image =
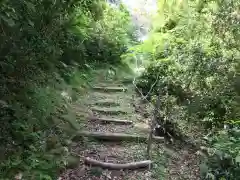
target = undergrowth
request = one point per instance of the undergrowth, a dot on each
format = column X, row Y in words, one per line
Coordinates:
column 49, row 53
column 193, row 62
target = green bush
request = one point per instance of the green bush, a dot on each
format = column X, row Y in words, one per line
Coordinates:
column 194, row 54
column 44, row 45
column 224, row 159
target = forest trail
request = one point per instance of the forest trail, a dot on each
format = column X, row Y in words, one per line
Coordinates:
column 117, row 127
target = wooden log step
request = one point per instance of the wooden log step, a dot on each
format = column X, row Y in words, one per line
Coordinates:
column 106, row 102
column 127, row 81
column 112, row 96
column 110, row 89
column 108, row 121
column 115, row 137
column 108, row 111
column 112, row 166
column 110, row 83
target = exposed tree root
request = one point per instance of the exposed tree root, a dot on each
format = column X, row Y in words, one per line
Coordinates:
column 107, row 121
column 105, row 165
column 115, row 137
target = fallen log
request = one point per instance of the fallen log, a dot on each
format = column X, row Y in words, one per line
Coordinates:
column 107, row 121
column 115, row 137
column 105, row 165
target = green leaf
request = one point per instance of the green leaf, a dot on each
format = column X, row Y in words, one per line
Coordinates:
column 203, row 168
column 45, row 177
column 30, row 6
column 8, row 20
column 30, row 23
column 237, row 159
column 210, row 176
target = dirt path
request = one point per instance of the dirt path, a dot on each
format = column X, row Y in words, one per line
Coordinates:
column 113, row 100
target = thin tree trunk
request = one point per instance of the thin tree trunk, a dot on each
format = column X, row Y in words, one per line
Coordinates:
column 153, row 124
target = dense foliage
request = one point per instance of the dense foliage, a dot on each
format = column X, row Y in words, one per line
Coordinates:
column 194, row 53
column 46, row 46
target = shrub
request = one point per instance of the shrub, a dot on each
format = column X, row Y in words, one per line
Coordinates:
column 194, row 54
column 44, row 45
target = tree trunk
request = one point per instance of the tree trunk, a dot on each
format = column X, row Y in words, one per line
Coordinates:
column 153, row 124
